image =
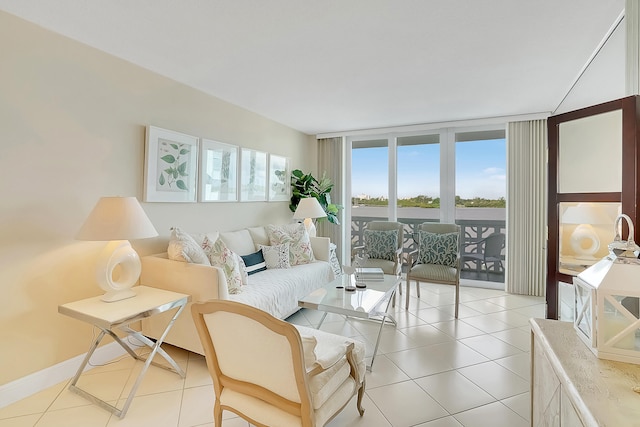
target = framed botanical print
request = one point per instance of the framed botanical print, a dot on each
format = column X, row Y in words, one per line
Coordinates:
column 253, row 175
column 279, row 181
column 171, row 165
column 218, row 177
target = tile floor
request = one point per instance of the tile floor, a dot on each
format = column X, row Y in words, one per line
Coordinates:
column 430, row 371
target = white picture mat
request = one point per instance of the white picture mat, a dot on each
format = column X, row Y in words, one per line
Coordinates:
column 279, row 178
column 253, row 175
column 171, row 165
column 218, row 177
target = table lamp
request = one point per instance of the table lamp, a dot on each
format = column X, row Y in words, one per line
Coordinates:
column 584, row 239
column 117, row 220
column 309, row 208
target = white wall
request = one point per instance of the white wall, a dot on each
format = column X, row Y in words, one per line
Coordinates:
column 72, row 125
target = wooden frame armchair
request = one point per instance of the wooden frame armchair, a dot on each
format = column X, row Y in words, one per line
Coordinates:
column 392, row 264
column 265, row 371
column 442, row 269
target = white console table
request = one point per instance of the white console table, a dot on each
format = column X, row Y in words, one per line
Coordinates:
column 570, row 386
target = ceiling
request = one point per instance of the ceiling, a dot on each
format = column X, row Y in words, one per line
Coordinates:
column 324, row 66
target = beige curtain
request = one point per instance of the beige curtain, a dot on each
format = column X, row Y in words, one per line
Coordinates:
column 330, row 161
column 526, row 207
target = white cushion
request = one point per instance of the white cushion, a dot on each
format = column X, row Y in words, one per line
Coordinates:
column 259, row 236
column 183, row 247
column 239, row 241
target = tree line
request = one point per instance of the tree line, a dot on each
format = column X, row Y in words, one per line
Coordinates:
column 431, row 202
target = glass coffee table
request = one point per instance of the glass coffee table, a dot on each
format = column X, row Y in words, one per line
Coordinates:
column 369, row 303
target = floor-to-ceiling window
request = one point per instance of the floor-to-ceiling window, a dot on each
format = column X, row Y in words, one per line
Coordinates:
column 480, row 192
column 444, row 175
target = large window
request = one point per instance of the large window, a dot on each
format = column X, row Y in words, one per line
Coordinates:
column 445, row 175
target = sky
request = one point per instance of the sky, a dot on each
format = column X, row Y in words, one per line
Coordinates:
column 480, row 170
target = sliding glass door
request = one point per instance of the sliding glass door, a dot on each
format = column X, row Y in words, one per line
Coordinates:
column 444, row 175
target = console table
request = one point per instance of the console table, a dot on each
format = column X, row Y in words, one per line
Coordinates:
column 570, row 386
column 109, row 316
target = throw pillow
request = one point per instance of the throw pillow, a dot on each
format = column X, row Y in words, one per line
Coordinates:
column 243, row 269
column 276, row 256
column 183, row 247
column 297, row 237
column 254, row 263
column 437, row 248
column 381, row 244
column 221, row 256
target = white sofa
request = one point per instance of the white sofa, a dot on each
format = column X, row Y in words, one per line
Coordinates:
column 275, row 291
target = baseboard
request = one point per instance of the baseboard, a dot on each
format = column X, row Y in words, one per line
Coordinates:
column 41, row 380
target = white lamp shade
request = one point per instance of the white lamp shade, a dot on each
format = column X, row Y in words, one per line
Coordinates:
column 585, row 213
column 309, row 208
column 117, row 218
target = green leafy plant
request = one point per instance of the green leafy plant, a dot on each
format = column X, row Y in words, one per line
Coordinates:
column 177, row 168
column 305, row 185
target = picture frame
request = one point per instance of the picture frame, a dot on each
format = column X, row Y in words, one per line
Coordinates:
column 218, row 173
column 279, row 178
column 171, row 166
column 253, row 176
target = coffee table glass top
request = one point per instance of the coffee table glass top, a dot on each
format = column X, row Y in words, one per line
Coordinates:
column 359, row 303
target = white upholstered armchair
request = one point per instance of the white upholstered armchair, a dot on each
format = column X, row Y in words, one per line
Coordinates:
column 272, row 373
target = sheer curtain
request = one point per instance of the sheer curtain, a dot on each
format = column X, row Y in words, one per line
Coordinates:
column 526, row 207
column 330, row 155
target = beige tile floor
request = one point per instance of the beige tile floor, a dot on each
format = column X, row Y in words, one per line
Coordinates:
column 430, row 371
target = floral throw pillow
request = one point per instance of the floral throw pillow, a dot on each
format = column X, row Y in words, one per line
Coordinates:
column 381, row 244
column 297, row 237
column 438, row 248
column 221, row 256
column 183, row 247
column 276, row 256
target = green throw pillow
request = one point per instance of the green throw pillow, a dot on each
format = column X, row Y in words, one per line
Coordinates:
column 381, row 244
column 436, row 248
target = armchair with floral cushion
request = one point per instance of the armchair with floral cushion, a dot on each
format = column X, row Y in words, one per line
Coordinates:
column 437, row 259
column 383, row 246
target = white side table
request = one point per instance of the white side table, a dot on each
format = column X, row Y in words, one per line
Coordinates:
column 108, row 316
column 333, row 260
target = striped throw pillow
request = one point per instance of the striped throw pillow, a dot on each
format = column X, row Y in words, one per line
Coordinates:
column 254, row 262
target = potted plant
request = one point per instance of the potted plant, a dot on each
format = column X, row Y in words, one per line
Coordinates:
column 305, row 185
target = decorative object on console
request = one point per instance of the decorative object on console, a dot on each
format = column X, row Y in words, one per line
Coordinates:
column 305, row 185
column 308, row 209
column 584, row 239
column 117, row 220
column 171, row 162
column 606, row 307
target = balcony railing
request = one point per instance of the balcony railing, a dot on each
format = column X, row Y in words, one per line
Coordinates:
column 472, row 231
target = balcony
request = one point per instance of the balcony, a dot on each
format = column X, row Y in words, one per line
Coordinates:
column 472, row 231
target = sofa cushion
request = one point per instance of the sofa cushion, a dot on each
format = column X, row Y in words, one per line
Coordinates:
column 277, row 291
column 259, row 236
column 221, row 256
column 239, row 241
column 183, row 247
column 254, row 263
column 276, row 256
column 297, row 237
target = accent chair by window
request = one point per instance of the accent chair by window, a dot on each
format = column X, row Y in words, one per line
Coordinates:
column 437, row 259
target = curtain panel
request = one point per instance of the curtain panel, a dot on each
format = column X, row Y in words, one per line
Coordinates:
column 526, row 253
column 330, row 158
